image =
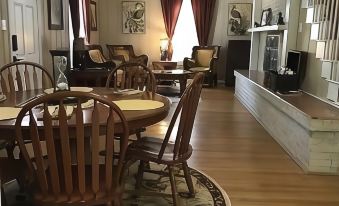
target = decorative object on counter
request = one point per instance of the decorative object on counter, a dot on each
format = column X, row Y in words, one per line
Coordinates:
column 280, row 19
column 266, row 17
column 271, row 55
column 55, row 15
column 239, row 18
column 164, row 49
column 133, row 17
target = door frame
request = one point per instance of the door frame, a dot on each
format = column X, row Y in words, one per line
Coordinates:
column 39, row 9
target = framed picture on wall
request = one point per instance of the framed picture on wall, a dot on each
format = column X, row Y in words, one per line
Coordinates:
column 133, row 17
column 55, row 15
column 94, row 22
column 239, row 18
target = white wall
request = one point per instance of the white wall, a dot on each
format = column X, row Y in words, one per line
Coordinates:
column 218, row 35
column 148, row 43
column 313, row 83
column 110, row 27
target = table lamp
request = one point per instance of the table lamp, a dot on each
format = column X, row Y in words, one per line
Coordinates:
column 163, row 49
column 79, row 48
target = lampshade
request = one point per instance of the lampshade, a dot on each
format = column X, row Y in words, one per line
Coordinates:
column 79, row 44
column 164, row 44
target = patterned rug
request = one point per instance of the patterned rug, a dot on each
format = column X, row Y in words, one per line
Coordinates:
column 156, row 189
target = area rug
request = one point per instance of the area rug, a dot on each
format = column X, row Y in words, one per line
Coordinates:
column 156, row 189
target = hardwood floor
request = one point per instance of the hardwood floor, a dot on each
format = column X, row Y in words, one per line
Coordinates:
column 234, row 149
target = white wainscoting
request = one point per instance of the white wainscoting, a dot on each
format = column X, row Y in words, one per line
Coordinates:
column 312, row 142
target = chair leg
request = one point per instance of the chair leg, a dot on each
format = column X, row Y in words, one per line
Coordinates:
column 140, row 174
column 173, row 186
column 138, row 134
column 188, row 179
column 10, row 149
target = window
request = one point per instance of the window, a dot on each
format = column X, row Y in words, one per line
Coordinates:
column 185, row 34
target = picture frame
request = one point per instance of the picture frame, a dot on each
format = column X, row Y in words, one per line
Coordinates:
column 94, row 18
column 266, row 17
column 55, row 15
column 239, row 18
column 133, row 17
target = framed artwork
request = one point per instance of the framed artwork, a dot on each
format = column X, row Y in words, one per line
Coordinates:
column 266, row 17
column 239, row 18
column 55, row 15
column 94, row 19
column 133, row 17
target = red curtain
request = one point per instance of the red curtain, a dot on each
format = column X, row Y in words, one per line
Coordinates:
column 74, row 9
column 203, row 11
column 170, row 11
column 87, row 19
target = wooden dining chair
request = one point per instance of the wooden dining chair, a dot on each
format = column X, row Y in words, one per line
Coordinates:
column 132, row 75
column 64, row 176
column 151, row 149
column 23, row 75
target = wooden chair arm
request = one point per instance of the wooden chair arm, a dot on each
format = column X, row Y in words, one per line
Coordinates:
column 188, row 63
column 213, row 64
column 109, row 64
column 141, row 58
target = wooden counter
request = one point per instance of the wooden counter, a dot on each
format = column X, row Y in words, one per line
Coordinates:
column 306, row 127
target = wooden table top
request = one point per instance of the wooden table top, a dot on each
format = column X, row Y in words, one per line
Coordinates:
column 135, row 119
column 309, row 105
column 173, row 71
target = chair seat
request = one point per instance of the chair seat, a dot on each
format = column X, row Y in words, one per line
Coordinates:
column 148, row 148
column 199, row 69
column 102, row 196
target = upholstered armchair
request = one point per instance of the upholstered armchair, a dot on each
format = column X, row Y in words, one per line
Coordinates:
column 125, row 53
column 204, row 60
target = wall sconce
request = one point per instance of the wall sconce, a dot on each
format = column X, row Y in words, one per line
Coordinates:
column 163, row 49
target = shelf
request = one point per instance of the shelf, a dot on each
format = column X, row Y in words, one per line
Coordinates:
column 268, row 28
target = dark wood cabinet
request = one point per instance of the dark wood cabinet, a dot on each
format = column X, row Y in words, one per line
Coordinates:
column 238, row 58
column 89, row 77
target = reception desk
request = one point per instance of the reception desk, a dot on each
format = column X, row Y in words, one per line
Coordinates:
column 306, row 127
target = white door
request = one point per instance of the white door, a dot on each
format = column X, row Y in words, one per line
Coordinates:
column 23, row 22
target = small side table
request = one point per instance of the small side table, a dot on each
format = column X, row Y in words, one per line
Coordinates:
column 175, row 74
column 164, row 65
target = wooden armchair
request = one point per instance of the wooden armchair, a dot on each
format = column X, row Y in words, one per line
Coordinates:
column 150, row 149
column 94, row 58
column 125, row 53
column 204, row 59
column 65, row 176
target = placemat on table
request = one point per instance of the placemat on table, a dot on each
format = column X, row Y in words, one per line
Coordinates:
column 137, row 104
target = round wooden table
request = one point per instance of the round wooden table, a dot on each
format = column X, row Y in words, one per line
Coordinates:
column 136, row 118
